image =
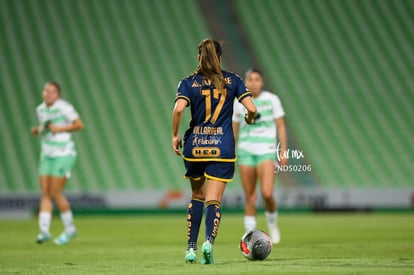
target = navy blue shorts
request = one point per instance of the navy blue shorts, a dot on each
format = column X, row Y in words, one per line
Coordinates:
column 214, row 170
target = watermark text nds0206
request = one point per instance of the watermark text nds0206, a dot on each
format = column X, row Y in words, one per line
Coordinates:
column 290, row 154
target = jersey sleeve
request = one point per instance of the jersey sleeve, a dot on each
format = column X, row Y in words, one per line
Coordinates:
column 70, row 113
column 241, row 90
column 278, row 111
column 183, row 92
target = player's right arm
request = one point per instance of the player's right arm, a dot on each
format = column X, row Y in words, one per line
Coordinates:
column 39, row 129
column 236, row 119
column 251, row 109
column 34, row 131
column 245, row 98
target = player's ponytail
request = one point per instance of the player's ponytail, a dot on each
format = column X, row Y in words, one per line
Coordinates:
column 209, row 51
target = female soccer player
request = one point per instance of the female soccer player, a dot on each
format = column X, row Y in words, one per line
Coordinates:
column 57, row 119
column 209, row 149
column 257, row 151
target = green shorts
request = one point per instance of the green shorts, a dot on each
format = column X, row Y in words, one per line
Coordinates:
column 56, row 166
column 249, row 159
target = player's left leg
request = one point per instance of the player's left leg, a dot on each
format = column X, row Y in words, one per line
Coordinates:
column 63, row 166
column 57, row 186
column 265, row 172
column 195, row 172
column 194, row 216
column 248, row 178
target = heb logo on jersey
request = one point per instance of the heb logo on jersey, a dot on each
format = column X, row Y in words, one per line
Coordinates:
column 200, row 152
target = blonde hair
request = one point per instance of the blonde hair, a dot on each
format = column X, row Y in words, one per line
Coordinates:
column 209, row 51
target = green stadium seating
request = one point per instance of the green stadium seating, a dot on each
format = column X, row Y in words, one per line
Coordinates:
column 119, row 63
column 342, row 69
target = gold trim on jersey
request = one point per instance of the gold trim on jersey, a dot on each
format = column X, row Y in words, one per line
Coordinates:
column 243, row 95
column 183, row 97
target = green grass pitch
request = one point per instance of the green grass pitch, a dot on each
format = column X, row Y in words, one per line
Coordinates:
column 155, row 244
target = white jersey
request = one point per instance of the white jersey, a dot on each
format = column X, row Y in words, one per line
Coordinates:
column 61, row 113
column 259, row 138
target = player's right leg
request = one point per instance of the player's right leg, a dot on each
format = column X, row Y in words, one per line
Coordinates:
column 218, row 174
column 46, row 206
column 248, row 178
column 214, row 195
column 45, row 211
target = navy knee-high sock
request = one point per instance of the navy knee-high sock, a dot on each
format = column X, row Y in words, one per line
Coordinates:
column 194, row 216
column 213, row 217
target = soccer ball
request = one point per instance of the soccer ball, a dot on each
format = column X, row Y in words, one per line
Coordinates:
column 255, row 245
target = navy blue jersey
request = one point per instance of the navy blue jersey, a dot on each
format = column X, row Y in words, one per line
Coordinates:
column 210, row 136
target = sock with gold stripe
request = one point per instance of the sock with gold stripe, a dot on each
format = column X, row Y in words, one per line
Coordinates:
column 194, row 216
column 213, row 217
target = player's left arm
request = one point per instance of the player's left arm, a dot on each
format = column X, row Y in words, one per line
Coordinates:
column 76, row 125
column 282, row 136
column 71, row 115
column 177, row 116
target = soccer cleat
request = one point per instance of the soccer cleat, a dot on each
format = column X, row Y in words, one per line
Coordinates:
column 190, row 256
column 64, row 238
column 207, row 250
column 43, row 237
column 274, row 234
